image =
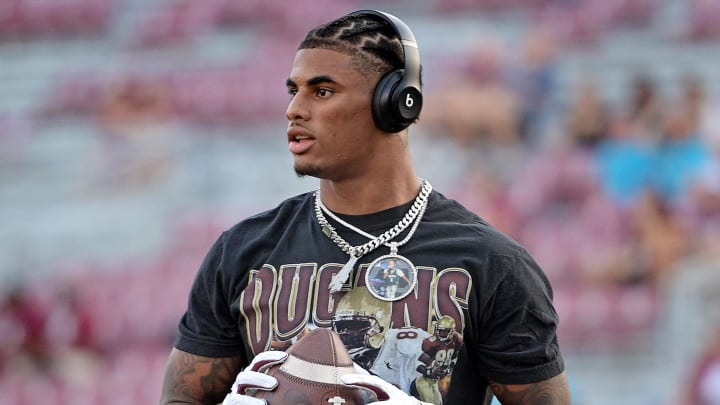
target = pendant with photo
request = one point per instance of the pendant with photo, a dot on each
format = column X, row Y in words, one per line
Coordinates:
column 391, row 277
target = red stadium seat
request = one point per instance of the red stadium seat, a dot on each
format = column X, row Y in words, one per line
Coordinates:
column 78, row 95
column 28, row 18
column 704, row 20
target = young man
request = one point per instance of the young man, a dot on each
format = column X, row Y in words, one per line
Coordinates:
column 393, row 276
column 355, row 87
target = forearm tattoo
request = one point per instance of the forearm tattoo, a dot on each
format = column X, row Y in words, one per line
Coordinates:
column 554, row 391
column 191, row 379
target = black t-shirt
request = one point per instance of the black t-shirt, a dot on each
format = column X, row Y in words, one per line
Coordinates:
column 264, row 283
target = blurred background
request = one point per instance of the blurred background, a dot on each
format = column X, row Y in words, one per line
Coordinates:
column 132, row 133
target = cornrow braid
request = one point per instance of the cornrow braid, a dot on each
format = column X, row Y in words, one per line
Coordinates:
column 379, row 45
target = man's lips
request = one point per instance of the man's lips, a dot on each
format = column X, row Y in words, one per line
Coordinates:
column 298, row 133
column 299, row 140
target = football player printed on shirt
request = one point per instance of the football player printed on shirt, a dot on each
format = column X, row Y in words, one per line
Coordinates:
column 439, row 354
column 397, row 360
column 361, row 321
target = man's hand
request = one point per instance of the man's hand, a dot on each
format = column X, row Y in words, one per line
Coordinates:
column 387, row 393
column 254, row 377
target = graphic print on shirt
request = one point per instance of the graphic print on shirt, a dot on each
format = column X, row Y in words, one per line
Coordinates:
column 439, row 355
column 412, row 343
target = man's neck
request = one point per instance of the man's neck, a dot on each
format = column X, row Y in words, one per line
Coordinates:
column 364, row 197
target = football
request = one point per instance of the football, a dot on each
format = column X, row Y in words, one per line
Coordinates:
column 311, row 374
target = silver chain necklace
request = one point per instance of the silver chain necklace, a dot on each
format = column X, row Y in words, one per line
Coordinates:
column 413, row 216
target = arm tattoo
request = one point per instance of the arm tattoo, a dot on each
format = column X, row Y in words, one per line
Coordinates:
column 553, row 391
column 191, row 379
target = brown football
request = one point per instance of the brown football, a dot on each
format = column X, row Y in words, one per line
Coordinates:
column 311, row 374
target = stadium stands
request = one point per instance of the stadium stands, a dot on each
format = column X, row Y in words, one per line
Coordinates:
column 132, row 133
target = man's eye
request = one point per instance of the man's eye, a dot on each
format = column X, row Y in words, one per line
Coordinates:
column 324, row 92
column 292, row 91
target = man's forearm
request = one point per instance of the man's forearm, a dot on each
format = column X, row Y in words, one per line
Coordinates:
column 198, row 380
column 553, row 391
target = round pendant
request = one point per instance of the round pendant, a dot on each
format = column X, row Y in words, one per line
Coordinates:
column 391, row 277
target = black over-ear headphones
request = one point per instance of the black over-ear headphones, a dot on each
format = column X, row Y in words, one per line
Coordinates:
column 397, row 100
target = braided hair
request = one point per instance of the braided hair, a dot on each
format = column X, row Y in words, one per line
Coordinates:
column 372, row 42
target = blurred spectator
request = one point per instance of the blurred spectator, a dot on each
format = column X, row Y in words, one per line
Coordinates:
column 134, row 100
column 135, row 115
column 644, row 106
column 534, row 82
column 703, row 208
column 624, row 162
column 69, row 324
column 701, row 108
column 662, row 240
column 588, row 118
column 655, row 151
column 479, row 106
column 22, row 327
column 680, row 156
column 696, row 103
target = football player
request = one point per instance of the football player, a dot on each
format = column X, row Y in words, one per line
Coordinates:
column 439, row 354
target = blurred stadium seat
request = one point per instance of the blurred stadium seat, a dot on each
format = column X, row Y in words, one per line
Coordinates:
column 29, row 19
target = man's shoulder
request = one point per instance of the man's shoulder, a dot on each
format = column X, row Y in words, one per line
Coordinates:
column 282, row 212
column 468, row 225
column 444, row 208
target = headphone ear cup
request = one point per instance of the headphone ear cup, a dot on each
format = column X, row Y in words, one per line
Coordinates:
column 383, row 109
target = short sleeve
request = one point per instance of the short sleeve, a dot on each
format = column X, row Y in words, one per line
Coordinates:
column 208, row 327
column 518, row 343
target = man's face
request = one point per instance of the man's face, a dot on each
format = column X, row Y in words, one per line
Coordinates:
column 330, row 124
